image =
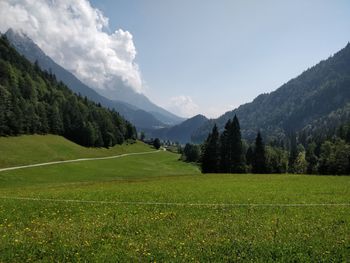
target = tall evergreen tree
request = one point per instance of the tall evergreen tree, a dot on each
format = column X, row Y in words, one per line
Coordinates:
column 225, row 149
column 210, row 154
column 191, row 153
column 237, row 162
column 250, row 155
column 259, row 160
column 232, row 159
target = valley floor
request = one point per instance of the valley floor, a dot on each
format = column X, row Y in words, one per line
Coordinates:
column 156, row 208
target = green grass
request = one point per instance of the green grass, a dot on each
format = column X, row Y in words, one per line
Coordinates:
column 49, row 231
column 29, row 149
column 125, row 168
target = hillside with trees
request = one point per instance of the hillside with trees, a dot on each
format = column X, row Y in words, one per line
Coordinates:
column 317, row 100
column 226, row 152
column 33, row 101
column 26, row 47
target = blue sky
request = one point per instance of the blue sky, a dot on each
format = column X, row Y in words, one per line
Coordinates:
column 204, row 56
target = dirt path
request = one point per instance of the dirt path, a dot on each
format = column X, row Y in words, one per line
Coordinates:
column 75, row 160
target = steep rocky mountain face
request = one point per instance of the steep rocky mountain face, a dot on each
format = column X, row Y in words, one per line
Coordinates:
column 135, row 107
column 319, row 98
column 182, row 132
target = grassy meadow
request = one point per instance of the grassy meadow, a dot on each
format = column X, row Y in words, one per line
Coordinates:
column 30, row 149
column 149, row 211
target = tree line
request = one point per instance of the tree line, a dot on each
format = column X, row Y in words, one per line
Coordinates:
column 32, row 101
column 227, row 152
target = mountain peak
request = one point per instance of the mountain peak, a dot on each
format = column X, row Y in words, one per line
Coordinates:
column 18, row 36
column 198, row 116
column 25, row 45
column 183, row 131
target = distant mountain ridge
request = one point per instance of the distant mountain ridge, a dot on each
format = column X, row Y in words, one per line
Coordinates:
column 151, row 117
column 139, row 100
column 182, row 132
column 302, row 102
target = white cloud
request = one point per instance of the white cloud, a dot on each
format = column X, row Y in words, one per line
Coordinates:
column 183, row 106
column 71, row 32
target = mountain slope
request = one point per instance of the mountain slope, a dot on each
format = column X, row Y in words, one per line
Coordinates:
column 182, row 132
column 26, row 47
column 34, row 102
column 314, row 94
column 139, row 100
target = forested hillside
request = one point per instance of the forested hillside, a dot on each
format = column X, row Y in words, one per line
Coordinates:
column 33, row 101
column 306, row 102
column 26, row 47
column 226, row 152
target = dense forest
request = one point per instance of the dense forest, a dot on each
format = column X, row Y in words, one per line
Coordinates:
column 318, row 100
column 226, row 152
column 34, row 101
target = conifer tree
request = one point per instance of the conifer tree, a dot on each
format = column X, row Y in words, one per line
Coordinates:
column 210, row 153
column 225, row 151
column 237, row 162
column 250, row 155
column 259, row 160
column 232, row 159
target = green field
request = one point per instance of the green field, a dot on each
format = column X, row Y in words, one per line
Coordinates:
column 29, row 149
column 154, row 208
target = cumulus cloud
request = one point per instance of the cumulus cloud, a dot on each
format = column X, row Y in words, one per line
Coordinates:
column 183, row 105
column 73, row 33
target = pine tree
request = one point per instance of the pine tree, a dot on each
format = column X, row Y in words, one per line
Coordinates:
column 191, row 153
column 250, row 155
column 225, row 151
column 237, row 162
column 259, row 160
column 210, row 154
column 232, row 159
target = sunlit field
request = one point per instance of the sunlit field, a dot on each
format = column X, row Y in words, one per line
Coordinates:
column 156, row 208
